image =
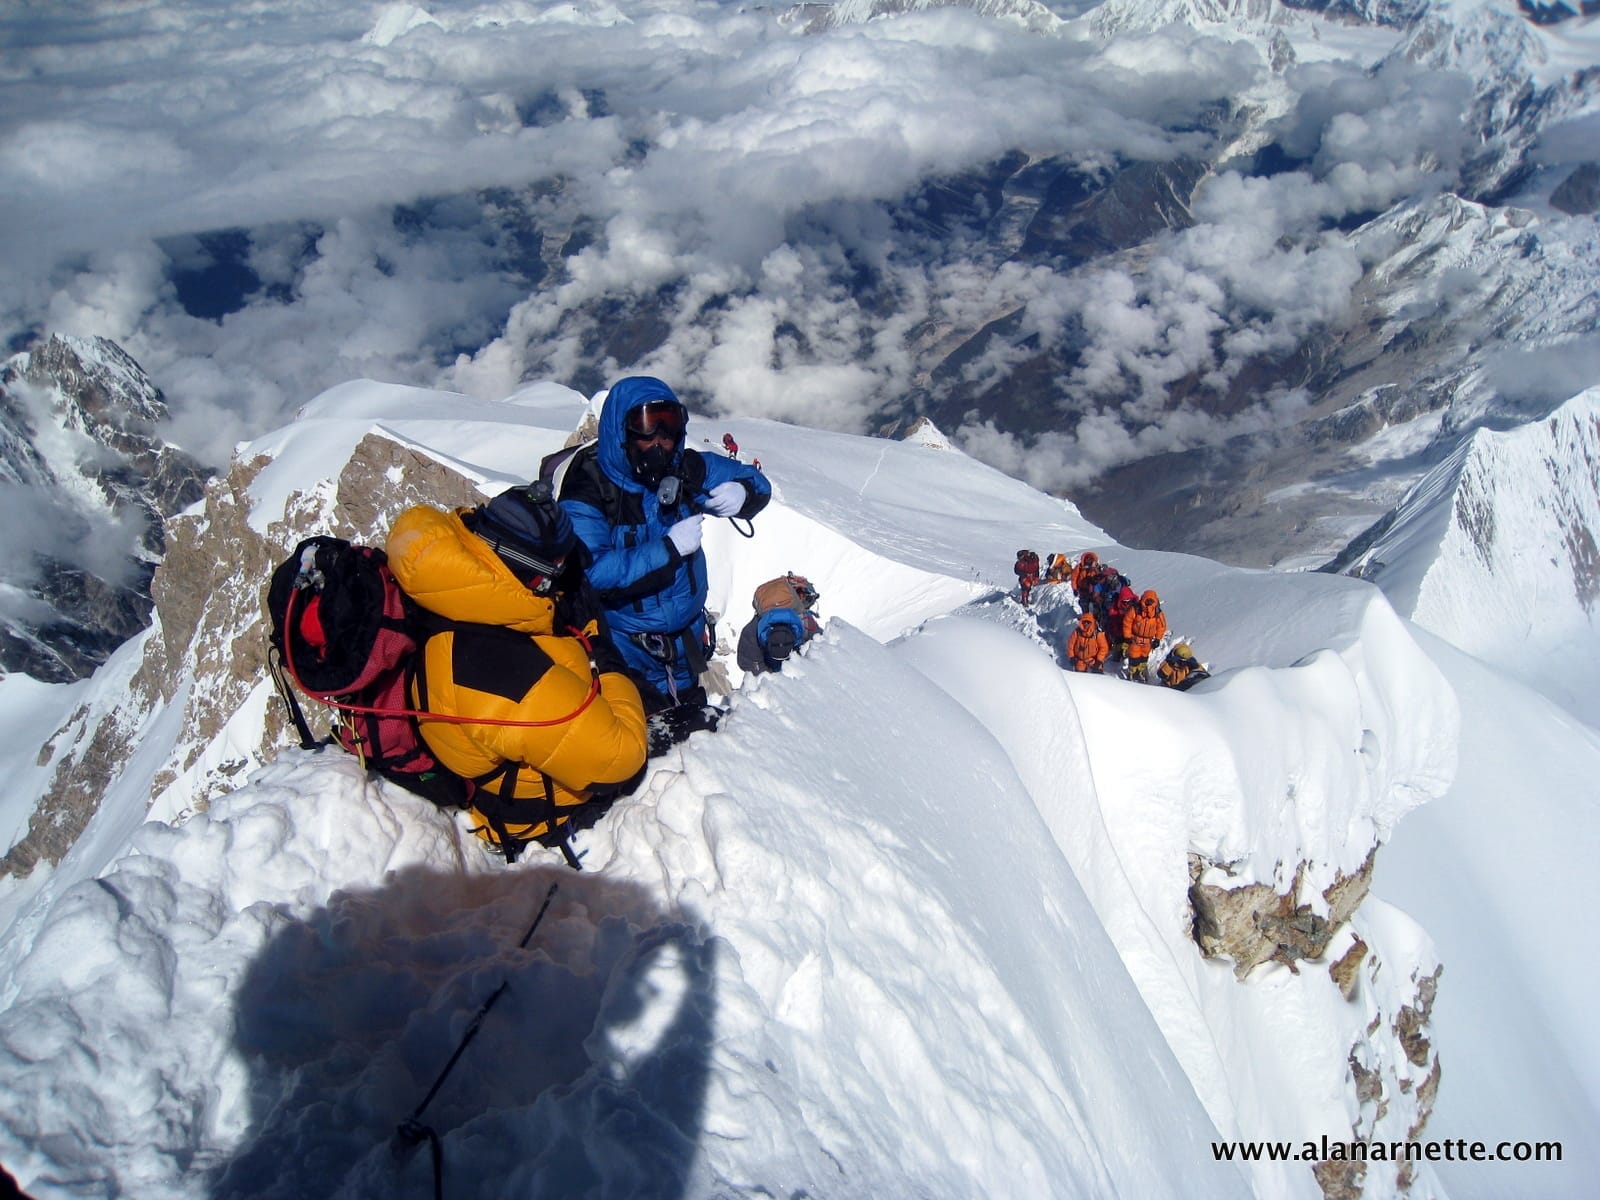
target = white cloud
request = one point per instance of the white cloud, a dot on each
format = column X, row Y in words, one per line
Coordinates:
column 40, row 523
column 1059, row 462
column 112, row 293
column 1539, row 380
column 700, row 160
column 65, row 158
column 1373, row 135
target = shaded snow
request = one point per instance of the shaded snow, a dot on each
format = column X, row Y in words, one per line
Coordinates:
column 1483, row 869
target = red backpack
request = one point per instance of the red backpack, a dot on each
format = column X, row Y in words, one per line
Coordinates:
column 345, row 634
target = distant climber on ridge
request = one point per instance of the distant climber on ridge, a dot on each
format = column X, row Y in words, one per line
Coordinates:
column 1085, row 573
column 1144, row 626
column 1026, row 569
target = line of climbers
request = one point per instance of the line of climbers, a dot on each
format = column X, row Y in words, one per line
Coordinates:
column 523, row 659
column 1116, row 629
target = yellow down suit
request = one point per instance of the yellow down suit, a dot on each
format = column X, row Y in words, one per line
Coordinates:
column 502, row 653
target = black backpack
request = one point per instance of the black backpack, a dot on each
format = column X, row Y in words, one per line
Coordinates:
column 553, row 467
column 592, row 483
column 345, row 634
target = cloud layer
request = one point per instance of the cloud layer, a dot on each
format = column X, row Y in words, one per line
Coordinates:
column 496, row 191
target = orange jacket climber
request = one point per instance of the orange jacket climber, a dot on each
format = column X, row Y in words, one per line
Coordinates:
column 1086, row 645
column 1085, row 571
column 1143, row 626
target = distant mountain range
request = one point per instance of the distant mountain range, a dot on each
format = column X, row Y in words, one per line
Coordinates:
column 1416, row 348
column 814, row 18
column 89, row 486
column 1457, row 283
column 1467, row 309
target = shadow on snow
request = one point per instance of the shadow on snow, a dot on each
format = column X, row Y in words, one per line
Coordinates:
column 587, row 1076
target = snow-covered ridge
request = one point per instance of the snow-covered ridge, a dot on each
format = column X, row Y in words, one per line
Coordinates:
column 815, row 17
column 1495, row 552
column 1121, row 16
column 921, row 858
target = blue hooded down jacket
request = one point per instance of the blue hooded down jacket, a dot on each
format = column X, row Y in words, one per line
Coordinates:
column 646, row 586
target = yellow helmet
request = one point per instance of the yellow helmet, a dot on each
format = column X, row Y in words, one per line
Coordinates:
column 1182, row 650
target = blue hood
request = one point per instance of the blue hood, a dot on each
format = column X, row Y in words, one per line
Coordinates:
column 625, row 396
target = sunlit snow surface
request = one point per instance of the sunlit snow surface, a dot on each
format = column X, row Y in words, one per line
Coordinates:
column 1495, row 552
column 913, row 923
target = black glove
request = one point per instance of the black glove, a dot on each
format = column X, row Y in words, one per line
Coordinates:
column 673, row 725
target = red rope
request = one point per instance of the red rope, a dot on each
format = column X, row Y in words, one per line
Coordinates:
column 332, row 701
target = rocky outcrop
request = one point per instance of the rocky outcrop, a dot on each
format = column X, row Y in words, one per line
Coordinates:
column 1392, row 1072
column 1394, row 1075
column 1253, row 924
column 207, row 647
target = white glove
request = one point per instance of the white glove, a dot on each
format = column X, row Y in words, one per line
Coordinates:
column 685, row 535
column 726, row 499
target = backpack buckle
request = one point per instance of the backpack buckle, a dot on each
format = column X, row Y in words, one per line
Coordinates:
column 656, row 645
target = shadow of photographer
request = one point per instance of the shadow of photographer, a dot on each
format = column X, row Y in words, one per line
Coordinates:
column 583, row 1058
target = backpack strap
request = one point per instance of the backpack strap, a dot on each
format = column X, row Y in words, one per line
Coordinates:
column 583, row 475
column 500, row 808
column 493, row 806
column 280, row 681
column 558, row 835
column 694, row 653
column 441, row 785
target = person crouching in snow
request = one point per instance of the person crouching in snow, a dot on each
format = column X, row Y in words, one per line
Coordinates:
column 522, row 646
column 785, row 619
column 768, row 650
column 1181, row 669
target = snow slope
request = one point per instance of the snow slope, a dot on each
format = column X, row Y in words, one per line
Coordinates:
column 1495, row 552
column 914, row 923
column 1480, row 869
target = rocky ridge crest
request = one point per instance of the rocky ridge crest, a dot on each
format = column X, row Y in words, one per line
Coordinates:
column 206, row 648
